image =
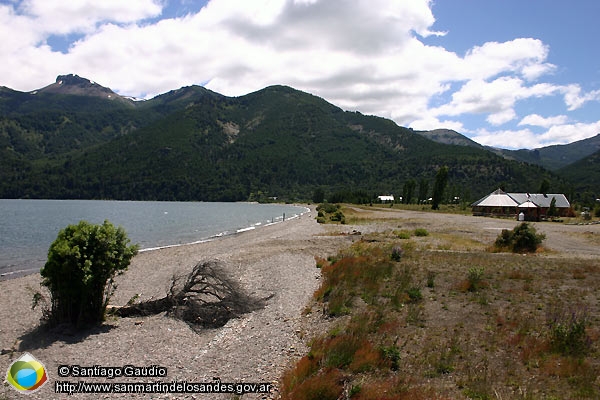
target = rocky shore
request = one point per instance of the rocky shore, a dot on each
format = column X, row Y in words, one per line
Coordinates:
column 275, row 261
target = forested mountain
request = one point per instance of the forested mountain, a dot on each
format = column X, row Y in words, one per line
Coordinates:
column 585, row 174
column 550, row 157
column 448, row 136
column 194, row 144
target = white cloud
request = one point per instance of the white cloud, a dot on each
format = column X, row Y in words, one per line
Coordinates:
column 538, row 120
column 431, row 123
column 567, row 133
column 502, row 117
column 574, row 99
column 497, row 98
column 63, row 17
column 525, row 56
column 365, row 55
column 512, row 139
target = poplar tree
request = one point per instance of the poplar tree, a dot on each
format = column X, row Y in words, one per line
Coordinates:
column 441, row 180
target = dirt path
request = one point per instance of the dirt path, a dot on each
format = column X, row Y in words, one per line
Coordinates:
column 561, row 239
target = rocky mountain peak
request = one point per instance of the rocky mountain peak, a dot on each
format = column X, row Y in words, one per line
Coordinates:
column 73, row 79
column 72, row 84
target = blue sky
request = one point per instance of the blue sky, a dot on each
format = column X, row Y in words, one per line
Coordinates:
column 506, row 73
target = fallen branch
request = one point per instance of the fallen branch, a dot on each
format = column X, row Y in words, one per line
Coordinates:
column 206, row 298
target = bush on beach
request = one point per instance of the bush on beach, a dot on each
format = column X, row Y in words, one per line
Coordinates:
column 82, row 263
column 330, row 212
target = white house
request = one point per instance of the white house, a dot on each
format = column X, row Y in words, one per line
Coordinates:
column 386, row 198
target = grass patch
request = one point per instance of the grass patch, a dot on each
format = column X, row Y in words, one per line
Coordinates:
column 421, row 232
column 405, row 329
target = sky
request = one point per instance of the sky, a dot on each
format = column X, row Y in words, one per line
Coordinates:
column 506, row 73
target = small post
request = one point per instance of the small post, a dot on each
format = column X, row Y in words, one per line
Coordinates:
column 284, row 216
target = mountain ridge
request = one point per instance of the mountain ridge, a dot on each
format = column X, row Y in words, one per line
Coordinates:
column 195, row 144
column 553, row 157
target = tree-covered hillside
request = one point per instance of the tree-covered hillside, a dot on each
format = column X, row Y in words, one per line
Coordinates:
column 550, row 157
column 193, row 144
column 585, row 174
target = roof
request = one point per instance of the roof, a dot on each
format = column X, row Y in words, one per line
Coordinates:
column 528, row 204
column 496, row 199
column 542, row 200
column 501, row 199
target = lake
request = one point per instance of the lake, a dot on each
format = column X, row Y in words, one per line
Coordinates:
column 28, row 227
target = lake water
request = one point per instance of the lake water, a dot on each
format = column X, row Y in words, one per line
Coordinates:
column 28, row 227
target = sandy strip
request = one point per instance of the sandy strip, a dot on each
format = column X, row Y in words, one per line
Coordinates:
column 273, row 260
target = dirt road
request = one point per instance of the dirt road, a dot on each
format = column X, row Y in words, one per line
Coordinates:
column 561, row 238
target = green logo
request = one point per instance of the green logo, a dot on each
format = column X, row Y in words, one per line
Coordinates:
column 26, row 374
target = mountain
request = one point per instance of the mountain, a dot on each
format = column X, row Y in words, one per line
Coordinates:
column 75, row 113
column 552, row 158
column 195, row 144
column 585, row 174
column 75, row 85
column 557, row 156
column 448, row 136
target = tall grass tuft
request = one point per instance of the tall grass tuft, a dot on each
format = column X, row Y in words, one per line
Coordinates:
column 568, row 330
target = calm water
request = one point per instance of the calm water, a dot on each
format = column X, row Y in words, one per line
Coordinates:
column 28, row 227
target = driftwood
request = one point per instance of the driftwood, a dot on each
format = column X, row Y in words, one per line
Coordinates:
column 206, row 298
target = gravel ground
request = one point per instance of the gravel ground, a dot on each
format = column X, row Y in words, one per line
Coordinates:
column 276, row 260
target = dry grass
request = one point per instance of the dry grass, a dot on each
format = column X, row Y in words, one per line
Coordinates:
column 452, row 320
column 590, row 237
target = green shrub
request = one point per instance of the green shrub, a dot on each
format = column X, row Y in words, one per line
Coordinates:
column 504, row 239
column 392, row 354
column 414, row 294
column 523, row 238
column 330, row 212
column 402, row 234
column 421, row 232
column 328, row 208
column 475, row 278
column 567, row 331
column 82, row 263
column 338, row 216
column 430, row 279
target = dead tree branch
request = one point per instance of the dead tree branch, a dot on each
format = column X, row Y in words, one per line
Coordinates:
column 206, row 298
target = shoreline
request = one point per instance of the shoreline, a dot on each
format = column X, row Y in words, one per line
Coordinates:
column 8, row 275
column 227, row 234
column 274, row 260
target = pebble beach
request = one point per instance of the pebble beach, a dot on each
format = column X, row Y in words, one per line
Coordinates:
column 276, row 261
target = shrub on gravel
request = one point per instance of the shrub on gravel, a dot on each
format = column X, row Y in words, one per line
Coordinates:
column 523, row 238
column 82, row 262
